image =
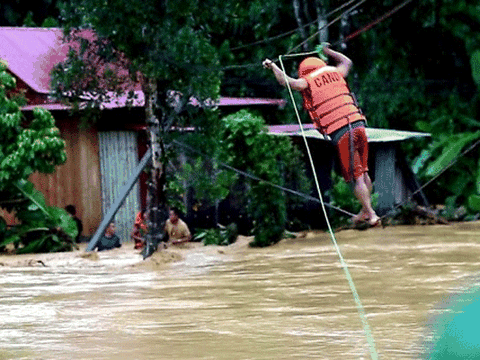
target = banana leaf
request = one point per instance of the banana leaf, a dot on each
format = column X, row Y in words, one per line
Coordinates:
column 475, row 65
column 34, row 246
column 10, row 239
column 64, row 221
column 474, row 202
column 35, row 196
column 59, row 217
column 420, row 160
column 477, row 183
column 468, row 121
column 455, row 145
column 3, row 227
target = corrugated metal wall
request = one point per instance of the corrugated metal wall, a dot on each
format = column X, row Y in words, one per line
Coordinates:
column 118, row 158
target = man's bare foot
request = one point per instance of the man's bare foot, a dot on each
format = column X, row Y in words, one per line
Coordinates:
column 360, row 217
column 374, row 221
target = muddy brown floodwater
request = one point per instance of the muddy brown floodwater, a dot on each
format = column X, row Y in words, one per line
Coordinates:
column 289, row 301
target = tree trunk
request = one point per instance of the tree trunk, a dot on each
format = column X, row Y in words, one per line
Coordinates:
column 343, row 32
column 301, row 29
column 321, row 9
column 156, row 198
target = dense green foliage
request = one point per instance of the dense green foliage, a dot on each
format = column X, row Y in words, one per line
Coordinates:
column 248, row 147
column 168, row 48
column 428, row 81
column 222, row 236
column 165, row 41
column 422, row 82
column 27, row 146
column 39, row 13
column 41, row 228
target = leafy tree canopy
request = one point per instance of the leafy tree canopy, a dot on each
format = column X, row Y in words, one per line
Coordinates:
column 26, row 146
column 39, row 13
column 417, row 69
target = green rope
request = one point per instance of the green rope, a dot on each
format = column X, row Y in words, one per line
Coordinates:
column 360, row 308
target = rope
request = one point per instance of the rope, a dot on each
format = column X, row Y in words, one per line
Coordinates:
column 279, row 36
column 327, row 25
column 377, row 21
column 360, row 308
column 231, row 67
column 348, row 38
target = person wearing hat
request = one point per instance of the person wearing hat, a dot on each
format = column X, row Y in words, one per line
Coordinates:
column 335, row 113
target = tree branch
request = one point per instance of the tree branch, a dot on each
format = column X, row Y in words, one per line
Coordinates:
column 298, row 18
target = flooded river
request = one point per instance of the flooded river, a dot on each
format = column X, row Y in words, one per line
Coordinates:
column 289, row 301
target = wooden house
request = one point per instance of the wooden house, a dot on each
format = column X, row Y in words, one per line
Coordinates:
column 100, row 158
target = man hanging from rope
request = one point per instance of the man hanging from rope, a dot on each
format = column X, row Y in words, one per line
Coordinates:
column 334, row 112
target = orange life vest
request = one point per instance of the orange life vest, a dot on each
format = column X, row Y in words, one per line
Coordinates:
column 329, row 101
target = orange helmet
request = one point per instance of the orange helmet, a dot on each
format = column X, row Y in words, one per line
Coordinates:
column 310, row 64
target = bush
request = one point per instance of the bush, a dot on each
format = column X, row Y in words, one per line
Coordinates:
column 248, row 147
column 42, row 228
column 27, row 147
column 218, row 236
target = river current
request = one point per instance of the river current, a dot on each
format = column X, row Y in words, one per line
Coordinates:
column 290, row 301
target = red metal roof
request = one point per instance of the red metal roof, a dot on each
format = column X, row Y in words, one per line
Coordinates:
column 32, row 53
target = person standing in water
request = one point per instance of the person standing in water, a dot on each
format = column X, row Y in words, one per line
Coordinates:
column 177, row 230
column 109, row 240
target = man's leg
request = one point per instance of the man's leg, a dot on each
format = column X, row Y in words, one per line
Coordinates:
column 368, row 182
column 352, row 149
column 363, row 191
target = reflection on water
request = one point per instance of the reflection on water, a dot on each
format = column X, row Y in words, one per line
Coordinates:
column 290, row 301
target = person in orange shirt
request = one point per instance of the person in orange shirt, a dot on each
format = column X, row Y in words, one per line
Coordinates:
column 334, row 112
column 139, row 230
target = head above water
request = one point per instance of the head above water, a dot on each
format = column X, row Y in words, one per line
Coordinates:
column 71, row 209
column 110, row 230
column 174, row 215
column 309, row 65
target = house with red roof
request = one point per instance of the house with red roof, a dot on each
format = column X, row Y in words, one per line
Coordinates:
column 99, row 158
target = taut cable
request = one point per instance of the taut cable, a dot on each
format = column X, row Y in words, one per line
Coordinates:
column 360, row 308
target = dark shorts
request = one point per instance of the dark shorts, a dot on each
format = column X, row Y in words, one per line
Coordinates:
column 348, row 141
